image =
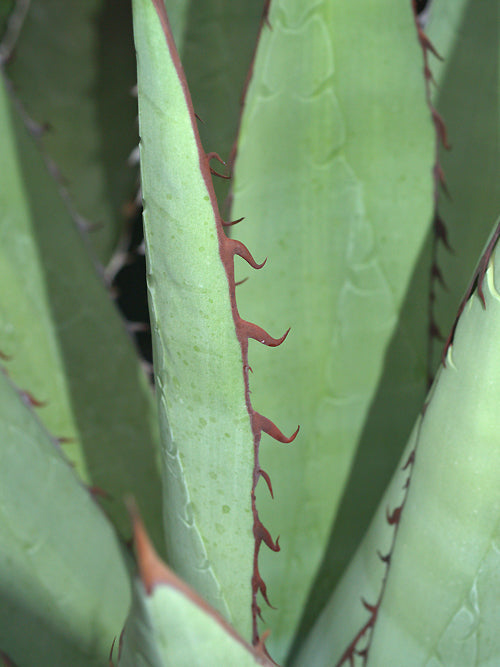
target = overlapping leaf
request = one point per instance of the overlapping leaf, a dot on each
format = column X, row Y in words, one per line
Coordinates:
column 208, row 440
column 333, row 176
column 73, row 67
column 467, row 36
column 216, row 51
column 66, row 343
column 170, row 626
column 64, row 590
column 423, row 587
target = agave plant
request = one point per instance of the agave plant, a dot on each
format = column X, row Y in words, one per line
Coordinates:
column 364, row 163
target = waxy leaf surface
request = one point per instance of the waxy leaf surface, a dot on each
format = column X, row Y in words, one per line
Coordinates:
column 208, row 442
column 439, row 605
column 65, row 341
column 171, row 626
column 333, row 176
column 216, row 52
column 73, row 67
column 64, row 590
column 467, row 95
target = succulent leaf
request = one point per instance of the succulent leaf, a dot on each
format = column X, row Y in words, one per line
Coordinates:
column 228, row 32
column 73, row 67
column 65, row 341
column 466, row 35
column 436, row 595
column 64, row 589
column 171, row 626
column 333, row 176
column 209, row 431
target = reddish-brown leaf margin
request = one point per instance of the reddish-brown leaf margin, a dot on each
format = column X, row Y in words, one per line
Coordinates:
column 244, row 330
column 393, row 517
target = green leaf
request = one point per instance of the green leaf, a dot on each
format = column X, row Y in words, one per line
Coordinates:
column 436, row 596
column 6, row 7
column 64, row 590
column 74, row 68
column 442, row 26
column 208, row 428
column 217, row 49
column 333, row 176
column 178, row 13
column 170, row 626
column 467, row 35
column 66, row 342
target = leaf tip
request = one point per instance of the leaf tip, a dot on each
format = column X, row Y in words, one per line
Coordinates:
column 152, row 570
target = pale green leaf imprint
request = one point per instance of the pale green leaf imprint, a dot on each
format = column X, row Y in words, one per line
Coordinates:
column 441, row 553
column 170, row 626
column 333, row 176
column 467, row 36
column 65, row 341
column 73, row 68
column 210, row 432
column 64, row 589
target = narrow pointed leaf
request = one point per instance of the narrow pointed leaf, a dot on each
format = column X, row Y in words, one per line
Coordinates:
column 333, row 176
column 73, row 67
column 65, row 341
column 467, row 35
column 208, row 429
column 64, row 590
column 227, row 33
column 171, row 626
column 439, row 603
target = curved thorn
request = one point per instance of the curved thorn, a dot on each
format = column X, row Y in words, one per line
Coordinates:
column 240, row 282
column 263, row 535
column 240, row 249
column 441, row 233
column 372, row 608
column 216, row 173
column 394, row 516
column 258, row 611
column 215, row 156
column 252, row 330
column 31, row 400
column 441, row 128
column 410, row 460
column 267, row 479
column 263, row 590
column 385, row 559
column 437, row 275
column 269, row 427
column 232, row 222
column 426, row 43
